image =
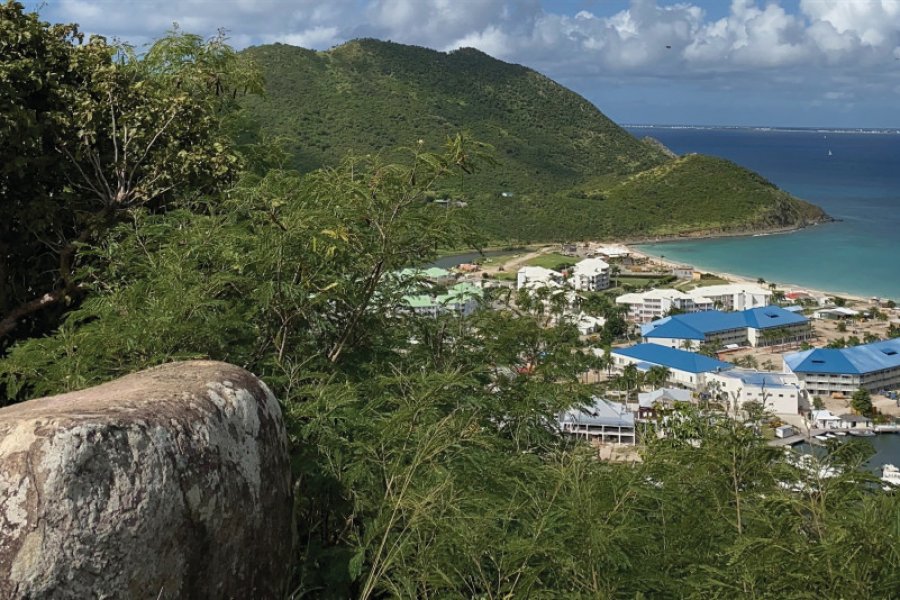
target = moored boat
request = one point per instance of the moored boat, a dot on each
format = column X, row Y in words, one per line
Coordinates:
column 862, row 432
column 890, row 474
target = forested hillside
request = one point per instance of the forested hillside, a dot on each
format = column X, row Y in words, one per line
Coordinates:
column 562, row 169
column 425, row 458
column 368, row 95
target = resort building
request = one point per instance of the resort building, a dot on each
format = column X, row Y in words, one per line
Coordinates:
column 531, row 277
column 756, row 327
column 687, row 369
column 590, row 275
column 602, row 421
column 824, row 371
column 734, row 296
column 614, row 252
column 462, row 299
column 778, row 393
column 644, row 307
column 664, row 398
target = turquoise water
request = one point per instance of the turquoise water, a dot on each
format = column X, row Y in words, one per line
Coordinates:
column 859, row 183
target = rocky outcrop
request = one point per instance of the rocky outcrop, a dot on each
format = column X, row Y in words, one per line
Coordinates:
column 170, row 483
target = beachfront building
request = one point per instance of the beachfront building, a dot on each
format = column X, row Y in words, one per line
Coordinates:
column 687, row 369
column 590, row 275
column 756, row 327
column 734, row 296
column 778, row 393
column 824, row 371
column 601, row 421
column 644, row 307
column 532, row 277
column 461, row 299
column 613, row 252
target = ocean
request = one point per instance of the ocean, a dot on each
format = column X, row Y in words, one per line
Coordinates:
column 854, row 176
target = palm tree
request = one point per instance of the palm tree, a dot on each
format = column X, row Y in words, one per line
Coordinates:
column 630, row 379
column 615, row 271
column 687, row 344
column 657, row 376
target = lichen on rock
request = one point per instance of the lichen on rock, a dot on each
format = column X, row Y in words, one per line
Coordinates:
column 171, row 482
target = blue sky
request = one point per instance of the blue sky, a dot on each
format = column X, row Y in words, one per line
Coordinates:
column 828, row 63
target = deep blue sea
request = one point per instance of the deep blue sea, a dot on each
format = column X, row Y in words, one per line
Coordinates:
column 858, row 183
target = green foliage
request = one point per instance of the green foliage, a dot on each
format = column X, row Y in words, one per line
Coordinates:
column 91, row 130
column 425, row 457
column 367, row 95
column 861, row 402
column 573, row 174
column 686, row 195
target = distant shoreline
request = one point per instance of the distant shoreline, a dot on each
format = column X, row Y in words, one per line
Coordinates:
column 763, row 128
column 786, row 286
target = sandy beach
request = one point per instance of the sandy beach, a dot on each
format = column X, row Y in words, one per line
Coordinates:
column 783, row 286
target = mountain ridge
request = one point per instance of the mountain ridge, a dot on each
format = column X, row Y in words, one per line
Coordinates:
column 549, row 143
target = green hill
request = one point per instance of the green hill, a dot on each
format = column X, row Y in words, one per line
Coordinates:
column 556, row 153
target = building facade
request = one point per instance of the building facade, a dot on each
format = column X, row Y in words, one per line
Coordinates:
column 756, row 327
column 825, row 371
column 687, row 369
column 778, row 393
column 590, row 275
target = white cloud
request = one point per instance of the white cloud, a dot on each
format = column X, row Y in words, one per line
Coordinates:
column 830, row 46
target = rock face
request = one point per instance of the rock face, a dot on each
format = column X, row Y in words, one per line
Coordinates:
column 170, row 483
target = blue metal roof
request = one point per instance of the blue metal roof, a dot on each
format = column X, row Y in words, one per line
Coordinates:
column 673, row 358
column 768, row 317
column 867, row 358
column 696, row 326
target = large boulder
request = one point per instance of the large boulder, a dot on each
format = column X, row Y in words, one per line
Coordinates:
column 169, row 483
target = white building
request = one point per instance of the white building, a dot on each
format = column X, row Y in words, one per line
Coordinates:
column 531, row 277
column 734, row 296
column 778, row 393
column 644, row 307
column 825, row 419
column 687, row 369
column 613, row 252
column 602, row 420
column 590, row 275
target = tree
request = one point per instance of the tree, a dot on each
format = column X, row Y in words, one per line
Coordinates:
column 861, row 402
column 657, row 376
column 96, row 131
column 817, row 403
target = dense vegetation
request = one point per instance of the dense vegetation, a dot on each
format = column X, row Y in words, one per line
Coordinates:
column 566, row 170
column 423, row 457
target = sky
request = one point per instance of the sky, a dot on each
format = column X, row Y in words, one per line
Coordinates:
column 787, row 63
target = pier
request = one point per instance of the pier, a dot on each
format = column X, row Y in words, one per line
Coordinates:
column 796, row 439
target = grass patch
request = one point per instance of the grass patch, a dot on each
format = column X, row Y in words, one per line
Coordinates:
column 554, row 260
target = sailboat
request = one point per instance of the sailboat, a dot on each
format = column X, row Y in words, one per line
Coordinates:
column 829, row 153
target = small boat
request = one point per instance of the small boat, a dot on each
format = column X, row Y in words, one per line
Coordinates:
column 839, row 433
column 862, row 433
column 821, row 438
column 890, row 474
column 830, row 436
